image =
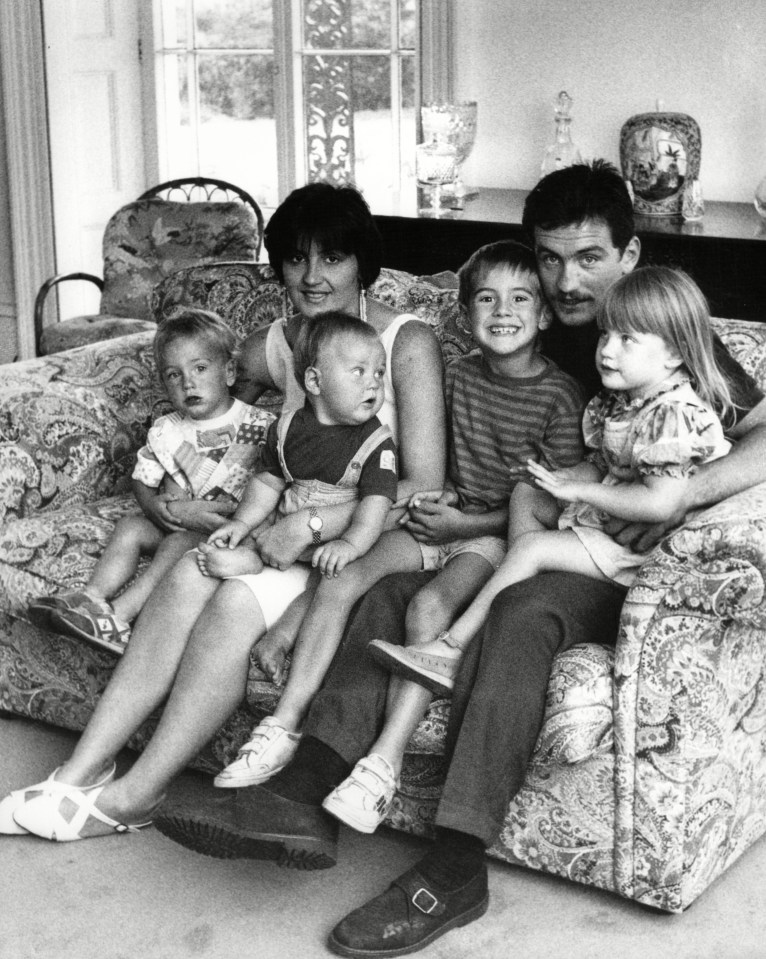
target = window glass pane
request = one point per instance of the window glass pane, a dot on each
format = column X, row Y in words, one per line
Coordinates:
column 374, row 142
column 181, row 149
column 408, row 131
column 174, row 23
column 237, row 134
column 407, row 24
column 234, row 23
column 371, row 23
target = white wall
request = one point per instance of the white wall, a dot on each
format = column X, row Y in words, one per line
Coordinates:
column 7, row 299
column 615, row 58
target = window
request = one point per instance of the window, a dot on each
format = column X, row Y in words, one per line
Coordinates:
column 272, row 95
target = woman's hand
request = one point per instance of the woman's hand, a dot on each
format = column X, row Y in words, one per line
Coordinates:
column 282, row 543
column 199, row 514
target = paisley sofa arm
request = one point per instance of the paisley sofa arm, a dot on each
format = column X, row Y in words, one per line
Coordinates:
column 690, row 706
column 71, row 423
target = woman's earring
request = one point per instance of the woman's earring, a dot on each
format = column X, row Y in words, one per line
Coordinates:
column 285, row 304
column 362, row 304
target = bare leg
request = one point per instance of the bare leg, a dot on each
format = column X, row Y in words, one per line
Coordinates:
column 209, row 685
column 530, row 554
column 271, row 651
column 145, row 674
column 322, row 628
column 129, row 603
column 133, row 537
column 431, row 611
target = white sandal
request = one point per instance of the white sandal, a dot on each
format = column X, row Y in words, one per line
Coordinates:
column 19, row 797
column 43, row 816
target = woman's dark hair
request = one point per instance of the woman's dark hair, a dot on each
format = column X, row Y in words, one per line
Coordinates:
column 585, row 191
column 335, row 218
column 317, row 331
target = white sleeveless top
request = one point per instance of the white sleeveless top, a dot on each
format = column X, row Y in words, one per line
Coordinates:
column 279, row 362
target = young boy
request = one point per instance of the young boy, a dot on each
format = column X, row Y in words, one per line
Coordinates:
column 334, row 450
column 507, row 404
column 190, row 475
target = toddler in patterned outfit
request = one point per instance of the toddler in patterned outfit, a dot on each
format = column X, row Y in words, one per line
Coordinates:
column 651, row 426
column 188, row 478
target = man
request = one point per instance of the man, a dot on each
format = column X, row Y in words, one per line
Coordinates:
column 581, row 222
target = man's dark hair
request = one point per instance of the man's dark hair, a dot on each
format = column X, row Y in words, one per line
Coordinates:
column 335, row 218
column 585, row 191
column 319, row 330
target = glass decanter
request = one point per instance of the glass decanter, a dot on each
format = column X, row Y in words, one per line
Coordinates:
column 563, row 152
column 759, row 198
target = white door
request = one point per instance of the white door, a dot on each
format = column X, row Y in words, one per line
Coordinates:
column 93, row 71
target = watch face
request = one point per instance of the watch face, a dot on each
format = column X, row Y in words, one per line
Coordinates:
column 316, row 522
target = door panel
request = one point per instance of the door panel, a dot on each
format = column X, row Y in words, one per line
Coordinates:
column 96, row 130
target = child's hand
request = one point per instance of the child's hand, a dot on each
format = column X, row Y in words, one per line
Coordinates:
column 557, row 482
column 230, row 535
column 332, row 557
column 270, row 653
column 434, row 522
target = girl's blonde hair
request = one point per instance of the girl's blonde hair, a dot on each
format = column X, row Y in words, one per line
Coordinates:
column 668, row 303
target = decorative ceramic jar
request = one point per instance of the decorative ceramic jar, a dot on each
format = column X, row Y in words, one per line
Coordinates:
column 659, row 153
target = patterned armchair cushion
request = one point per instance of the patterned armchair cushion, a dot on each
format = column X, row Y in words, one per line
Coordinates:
column 147, row 240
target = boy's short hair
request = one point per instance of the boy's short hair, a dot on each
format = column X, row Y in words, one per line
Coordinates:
column 585, row 191
column 191, row 322
column 503, row 253
column 335, row 218
column 317, row 331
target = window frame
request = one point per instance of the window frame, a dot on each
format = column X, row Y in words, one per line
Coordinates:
column 434, row 81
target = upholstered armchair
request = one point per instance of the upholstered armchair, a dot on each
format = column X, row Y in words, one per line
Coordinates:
column 144, row 242
column 649, row 775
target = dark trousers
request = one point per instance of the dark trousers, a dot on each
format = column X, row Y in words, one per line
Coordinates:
column 498, row 704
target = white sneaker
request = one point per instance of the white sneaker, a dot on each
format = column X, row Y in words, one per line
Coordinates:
column 363, row 798
column 270, row 749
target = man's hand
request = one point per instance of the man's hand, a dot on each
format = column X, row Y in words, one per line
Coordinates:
column 640, row 537
column 330, row 558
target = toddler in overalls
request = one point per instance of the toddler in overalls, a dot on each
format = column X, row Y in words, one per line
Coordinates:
column 332, row 451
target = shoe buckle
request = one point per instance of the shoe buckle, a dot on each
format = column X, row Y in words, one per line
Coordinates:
column 429, row 906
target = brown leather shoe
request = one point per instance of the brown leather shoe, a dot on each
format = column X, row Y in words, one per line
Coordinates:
column 252, row 823
column 408, row 916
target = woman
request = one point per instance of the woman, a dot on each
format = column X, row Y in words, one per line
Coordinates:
column 191, row 643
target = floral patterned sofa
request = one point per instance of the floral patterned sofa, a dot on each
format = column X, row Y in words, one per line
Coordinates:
column 649, row 776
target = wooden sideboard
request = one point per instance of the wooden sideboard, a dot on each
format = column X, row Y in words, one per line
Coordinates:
column 725, row 252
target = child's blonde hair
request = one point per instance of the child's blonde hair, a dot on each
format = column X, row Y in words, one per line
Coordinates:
column 669, row 304
column 192, row 322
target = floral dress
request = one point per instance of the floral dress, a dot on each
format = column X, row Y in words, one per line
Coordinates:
column 667, row 433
